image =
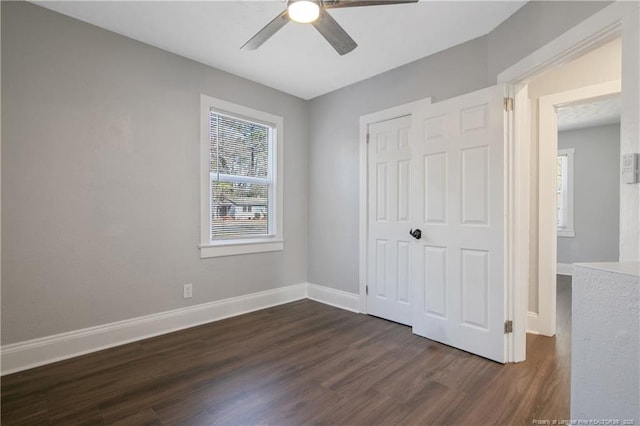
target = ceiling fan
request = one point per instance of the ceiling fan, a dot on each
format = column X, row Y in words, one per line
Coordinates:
column 315, row 13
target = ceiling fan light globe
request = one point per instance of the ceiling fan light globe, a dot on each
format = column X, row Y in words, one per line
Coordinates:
column 303, row 11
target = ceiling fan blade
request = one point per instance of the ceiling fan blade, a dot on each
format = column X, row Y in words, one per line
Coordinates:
column 332, row 4
column 334, row 33
column 265, row 33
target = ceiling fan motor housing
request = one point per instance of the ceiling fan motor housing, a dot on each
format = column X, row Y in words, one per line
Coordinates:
column 303, row 11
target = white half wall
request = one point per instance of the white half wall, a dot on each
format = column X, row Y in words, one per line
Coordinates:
column 605, row 342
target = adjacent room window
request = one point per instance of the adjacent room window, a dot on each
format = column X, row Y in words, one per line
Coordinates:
column 564, row 193
column 241, row 180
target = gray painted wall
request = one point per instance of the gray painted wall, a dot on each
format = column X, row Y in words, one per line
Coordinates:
column 334, row 147
column 596, row 195
column 334, row 127
column 100, row 184
column 533, row 26
column 100, row 178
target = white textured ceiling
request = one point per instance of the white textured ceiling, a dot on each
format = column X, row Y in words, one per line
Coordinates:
column 296, row 60
column 596, row 113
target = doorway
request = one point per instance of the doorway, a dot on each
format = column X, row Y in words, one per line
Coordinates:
column 593, row 71
column 618, row 20
column 587, row 195
column 588, row 183
column 542, row 313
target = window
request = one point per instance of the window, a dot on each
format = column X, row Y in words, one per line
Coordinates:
column 564, row 193
column 241, row 182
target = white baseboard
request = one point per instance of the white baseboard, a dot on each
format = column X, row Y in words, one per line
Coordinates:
column 533, row 319
column 330, row 296
column 532, row 323
column 565, row 269
column 46, row 350
column 32, row 353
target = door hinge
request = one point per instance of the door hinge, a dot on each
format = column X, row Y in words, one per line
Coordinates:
column 508, row 327
column 366, row 289
column 508, row 104
column 367, row 137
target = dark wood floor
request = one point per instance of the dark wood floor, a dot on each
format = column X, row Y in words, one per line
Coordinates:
column 300, row 363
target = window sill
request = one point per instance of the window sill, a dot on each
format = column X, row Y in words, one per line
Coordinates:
column 566, row 233
column 232, row 248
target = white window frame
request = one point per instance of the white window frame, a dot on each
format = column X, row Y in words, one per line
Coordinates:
column 567, row 230
column 229, row 247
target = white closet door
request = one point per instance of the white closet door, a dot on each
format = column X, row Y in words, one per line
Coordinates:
column 458, row 192
column 389, row 210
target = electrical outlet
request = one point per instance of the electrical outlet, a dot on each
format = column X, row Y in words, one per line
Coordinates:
column 187, row 291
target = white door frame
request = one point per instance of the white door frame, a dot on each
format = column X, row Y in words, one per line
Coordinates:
column 365, row 120
column 616, row 20
column 548, row 152
column 517, row 210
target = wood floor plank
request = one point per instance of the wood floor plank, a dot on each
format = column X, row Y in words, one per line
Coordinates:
column 294, row 364
column 355, row 410
column 433, row 404
column 403, row 384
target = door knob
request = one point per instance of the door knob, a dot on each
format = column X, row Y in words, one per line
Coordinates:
column 417, row 234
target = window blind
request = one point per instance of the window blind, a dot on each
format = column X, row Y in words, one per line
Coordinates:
column 241, row 183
